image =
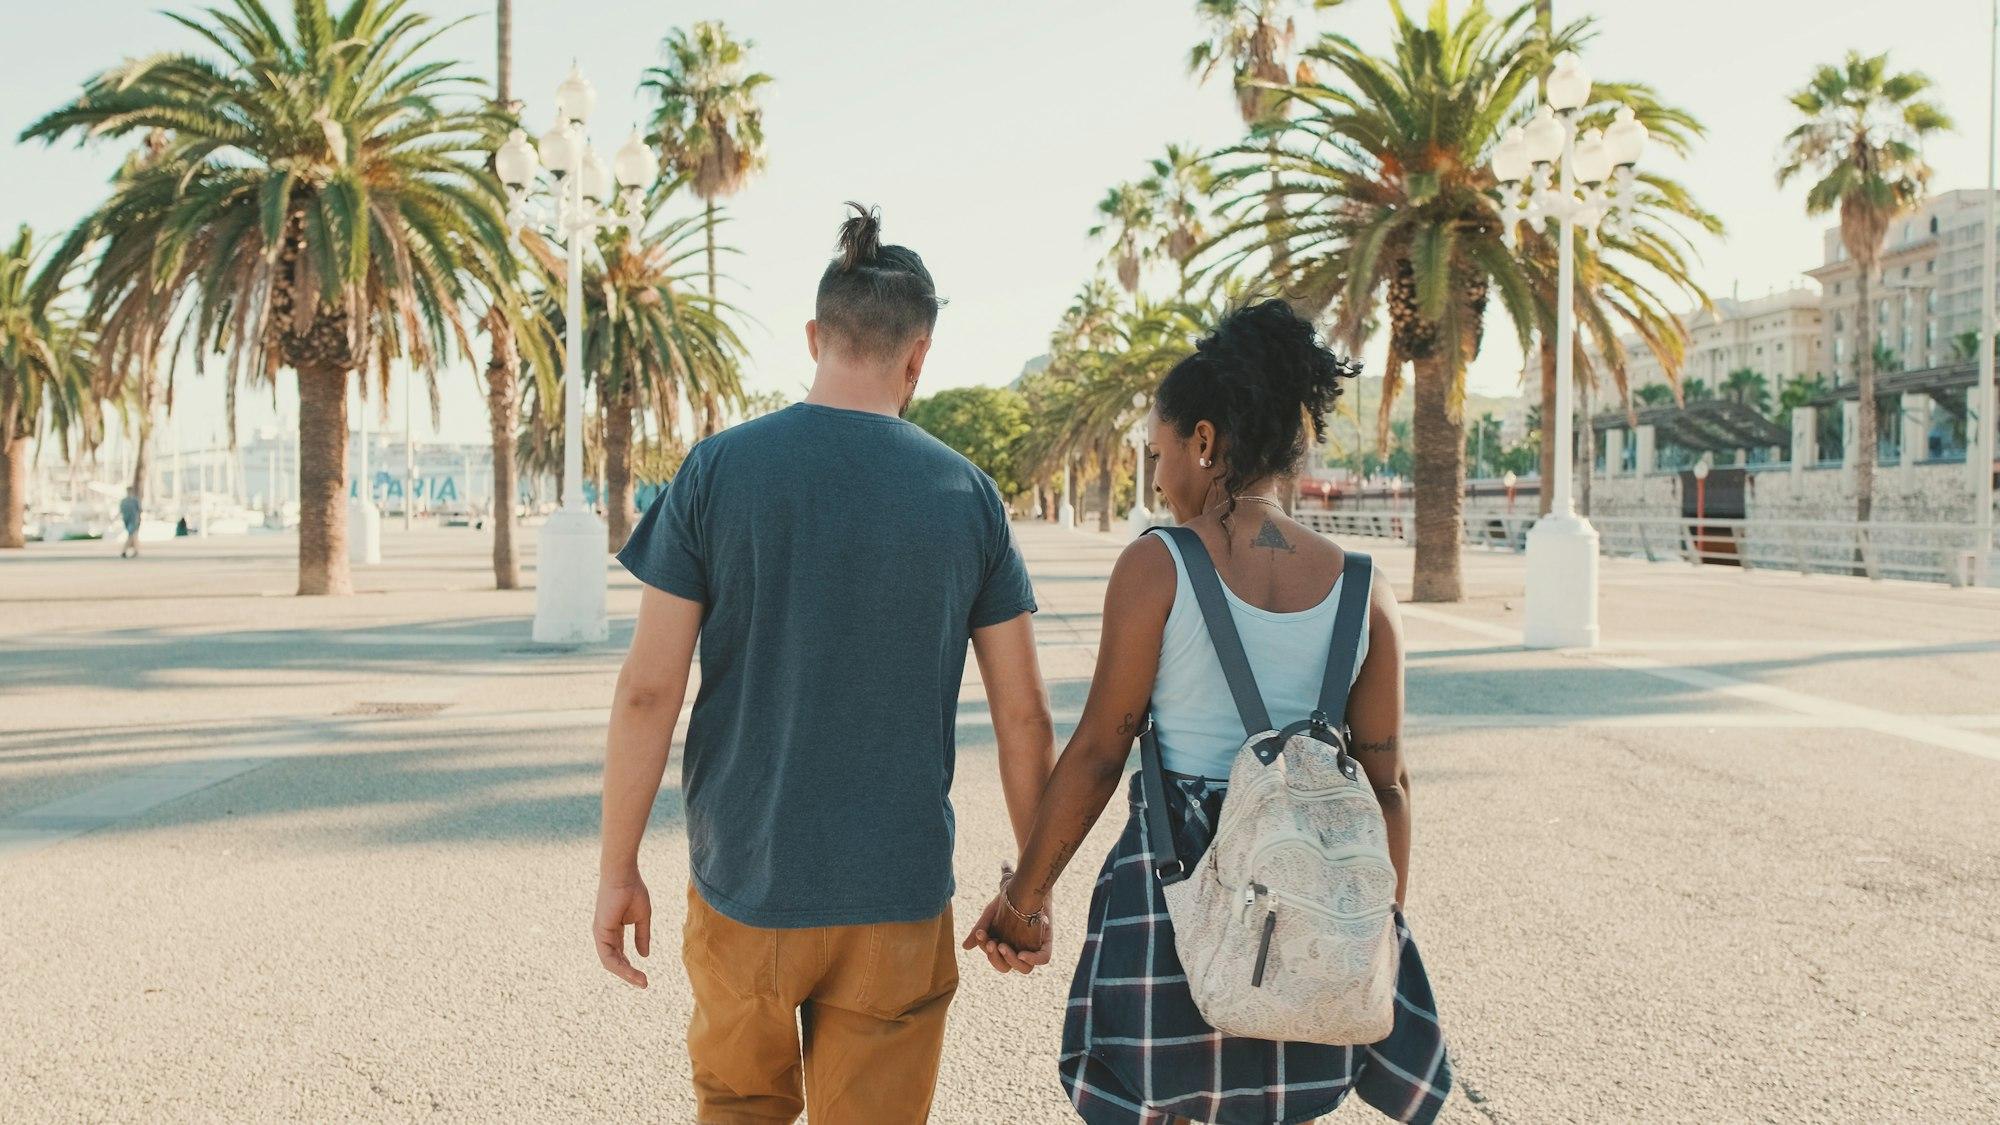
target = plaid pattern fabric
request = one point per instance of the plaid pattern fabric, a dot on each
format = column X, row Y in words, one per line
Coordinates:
column 1137, row 1052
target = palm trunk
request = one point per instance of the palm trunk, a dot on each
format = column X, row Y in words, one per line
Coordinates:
column 323, row 481
column 503, row 86
column 1548, row 454
column 142, row 459
column 503, row 391
column 1864, row 357
column 711, row 405
column 13, row 478
column 617, row 410
column 1439, row 481
column 1107, row 462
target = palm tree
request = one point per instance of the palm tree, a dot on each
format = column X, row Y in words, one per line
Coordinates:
column 1748, row 388
column 1653, row 394
column 1253, row 40
column 1861, row 145
column 1386, row 188
column 320, row 203
column 651, row 340
column 1179, row 190
column 503, row 364
column 1796, row 392
column 1132, row 226
column 709, row 128
column 47, row 365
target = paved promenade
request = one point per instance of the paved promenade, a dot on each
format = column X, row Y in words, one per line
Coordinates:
column 264, row 858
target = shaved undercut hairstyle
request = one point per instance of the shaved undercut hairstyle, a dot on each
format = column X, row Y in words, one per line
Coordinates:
column 875, row 298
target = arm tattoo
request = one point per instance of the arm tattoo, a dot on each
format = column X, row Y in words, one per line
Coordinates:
column 1269, row 536
column 1385, row 746
column 1063, row 851
column 1130, row 727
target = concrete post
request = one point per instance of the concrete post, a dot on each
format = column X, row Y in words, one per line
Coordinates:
column 1614, row 452
column 1805, row 438
column 1644, row 462
column 1916, row 430
column 1850, row 432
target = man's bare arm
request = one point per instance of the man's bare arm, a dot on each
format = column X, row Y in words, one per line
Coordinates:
column 1019, row 705
column 644, row 710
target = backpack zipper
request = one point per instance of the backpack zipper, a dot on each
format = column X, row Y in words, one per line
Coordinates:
column 1264, row 948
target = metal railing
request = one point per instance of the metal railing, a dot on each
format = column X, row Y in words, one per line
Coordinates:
column 1930, row 552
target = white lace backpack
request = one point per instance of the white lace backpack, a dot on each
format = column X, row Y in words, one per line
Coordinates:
column 1286, row 925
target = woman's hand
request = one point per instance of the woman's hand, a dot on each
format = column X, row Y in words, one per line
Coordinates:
column 1010, row 944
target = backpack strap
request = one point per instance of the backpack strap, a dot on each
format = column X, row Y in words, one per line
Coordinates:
column 1228, row 644
column 1167, row 865
column 1222, row 630
column 1357, row 582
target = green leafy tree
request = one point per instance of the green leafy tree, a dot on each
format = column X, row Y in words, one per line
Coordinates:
column 320, row 202
column 709, row 124
column 986, row 424
column 1860, row 145
column 1483, row 444
column 1653, row 394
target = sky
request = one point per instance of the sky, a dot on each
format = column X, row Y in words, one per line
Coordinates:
column 987, row 133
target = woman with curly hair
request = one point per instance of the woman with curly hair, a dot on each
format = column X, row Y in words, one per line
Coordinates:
column 1230, row 423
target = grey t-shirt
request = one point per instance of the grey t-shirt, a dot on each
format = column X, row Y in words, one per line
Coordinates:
column 843, row 559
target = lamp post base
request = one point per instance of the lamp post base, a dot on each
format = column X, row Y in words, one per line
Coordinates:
column 1562, row 584
column 364, row 533
column 1066, row 514
column 1138, row 520
column 570, row 579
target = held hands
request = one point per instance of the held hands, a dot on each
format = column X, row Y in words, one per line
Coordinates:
column 1011, row 942
column 622, row 902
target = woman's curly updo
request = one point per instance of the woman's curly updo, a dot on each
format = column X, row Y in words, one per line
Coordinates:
column 1261, row 378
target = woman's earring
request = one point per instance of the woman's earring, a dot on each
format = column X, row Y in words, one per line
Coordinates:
column 1205, row 462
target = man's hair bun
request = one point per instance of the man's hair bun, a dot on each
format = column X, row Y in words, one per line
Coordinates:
column 860, row 236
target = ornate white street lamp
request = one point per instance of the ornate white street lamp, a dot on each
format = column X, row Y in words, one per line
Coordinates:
column 1547, row 171
column 570, row 566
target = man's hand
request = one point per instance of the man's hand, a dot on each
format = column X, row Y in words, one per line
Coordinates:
column 1011, row 945
column 620, row 903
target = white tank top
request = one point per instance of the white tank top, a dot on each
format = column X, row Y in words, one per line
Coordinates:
column 1194, row 717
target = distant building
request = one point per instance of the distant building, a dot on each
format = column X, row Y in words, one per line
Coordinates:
column 1926, row 295
column 1778, row 336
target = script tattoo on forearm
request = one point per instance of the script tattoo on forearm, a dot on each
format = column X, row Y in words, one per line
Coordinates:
column 1270, row 537
column 1130, row 726
column 1064, row 850
column 1385, row 746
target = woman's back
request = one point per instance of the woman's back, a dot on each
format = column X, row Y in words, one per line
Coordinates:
column 1282, row 586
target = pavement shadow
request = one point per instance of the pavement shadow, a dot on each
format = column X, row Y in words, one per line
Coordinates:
column 382, row 785
column 146, row 658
